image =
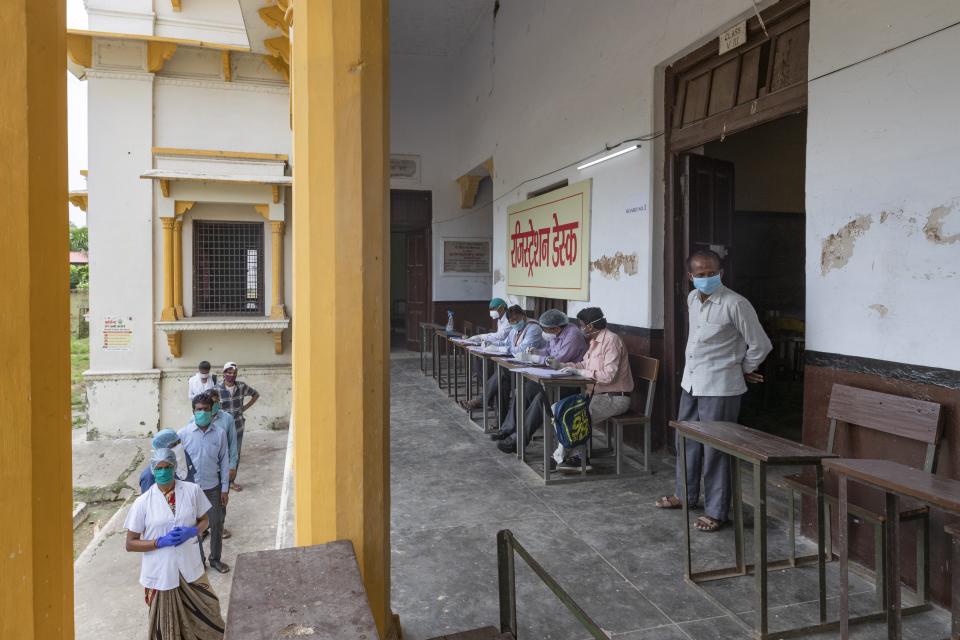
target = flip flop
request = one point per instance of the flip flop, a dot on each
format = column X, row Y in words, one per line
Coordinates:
column 668, row 502
column 707, row 524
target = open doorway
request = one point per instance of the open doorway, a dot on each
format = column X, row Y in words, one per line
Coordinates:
column 410, row 266
column 747, row 203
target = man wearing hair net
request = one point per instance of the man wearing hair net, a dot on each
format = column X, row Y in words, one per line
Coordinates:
column 565, row 343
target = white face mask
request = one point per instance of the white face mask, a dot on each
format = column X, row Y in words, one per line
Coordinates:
column 181, row 471
column 494, row 314
column 550, row 336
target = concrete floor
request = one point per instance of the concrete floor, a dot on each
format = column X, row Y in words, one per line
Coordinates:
column 617, row 555
column 108, row 599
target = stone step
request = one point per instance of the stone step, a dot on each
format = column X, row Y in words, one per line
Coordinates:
column 484, row 633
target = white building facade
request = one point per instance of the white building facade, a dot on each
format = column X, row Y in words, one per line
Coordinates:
column 188, row 202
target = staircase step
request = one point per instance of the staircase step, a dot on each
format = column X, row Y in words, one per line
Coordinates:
column 484, row 633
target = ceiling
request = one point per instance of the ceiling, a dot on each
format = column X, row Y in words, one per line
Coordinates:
column 435, row 27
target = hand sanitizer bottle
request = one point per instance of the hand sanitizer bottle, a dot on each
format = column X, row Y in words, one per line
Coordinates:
column 449, row 328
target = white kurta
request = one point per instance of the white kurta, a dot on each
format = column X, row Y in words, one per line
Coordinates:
column 151, row 517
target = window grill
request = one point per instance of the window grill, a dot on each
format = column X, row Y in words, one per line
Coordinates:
column 227, row 268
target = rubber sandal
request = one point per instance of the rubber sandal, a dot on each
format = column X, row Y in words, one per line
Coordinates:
column 707, row 524
column 668, row 502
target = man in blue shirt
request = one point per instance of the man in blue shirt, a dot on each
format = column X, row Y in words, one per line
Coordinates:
column 207, row 446
column 226, row 422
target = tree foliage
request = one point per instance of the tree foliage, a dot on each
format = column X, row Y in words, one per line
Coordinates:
column 78, row 238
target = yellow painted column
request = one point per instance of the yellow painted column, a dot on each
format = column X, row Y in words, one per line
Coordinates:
column 178, row 268
column 36, row 533
column 277, row 312
column 168, row 313
column 341, row 283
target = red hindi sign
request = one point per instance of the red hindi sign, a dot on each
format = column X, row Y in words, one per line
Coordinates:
column 548, row 244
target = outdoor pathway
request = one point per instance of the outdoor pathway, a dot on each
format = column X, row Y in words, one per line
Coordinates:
column 108, row 598
column 618, row 556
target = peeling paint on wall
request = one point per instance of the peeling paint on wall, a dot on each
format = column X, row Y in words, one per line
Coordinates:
column 838, row 247
column 609, row 266
column 934, row 227
column 881, row 309
column 497, row 276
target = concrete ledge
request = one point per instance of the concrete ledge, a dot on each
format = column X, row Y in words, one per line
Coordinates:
column 313, row 592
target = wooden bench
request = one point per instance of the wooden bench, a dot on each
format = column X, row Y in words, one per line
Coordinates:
column 644, row 371
column 914, row 420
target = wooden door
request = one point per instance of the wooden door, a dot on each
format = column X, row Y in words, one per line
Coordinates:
column 418, row 285
column 707, row 198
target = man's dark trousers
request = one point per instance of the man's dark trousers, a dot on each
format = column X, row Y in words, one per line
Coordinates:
column 215, row 516
column 714, row 466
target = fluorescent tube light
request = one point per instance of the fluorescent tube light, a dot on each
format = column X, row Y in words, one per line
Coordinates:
column 607, row 157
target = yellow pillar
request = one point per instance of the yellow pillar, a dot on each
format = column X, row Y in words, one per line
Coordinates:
column 36, row 536
column 178, row 268
column 277, row 312
column 168, row 312
column 340, row 286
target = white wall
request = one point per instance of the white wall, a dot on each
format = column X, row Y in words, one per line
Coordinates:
column 883, row 199
column 422, row 124
column 206, row 20
column 121, row 215
column 553, row 83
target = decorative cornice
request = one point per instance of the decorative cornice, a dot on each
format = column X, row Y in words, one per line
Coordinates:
column 109, row 376
column 220, row 324
column 180, row 207
column 80, row 50
column 78, row 199
column 279, row 47
column 120, row 75
column 280, row 89
column 263, row 210
column 158, row 53
column 247, row 370
column 278, row 65
column 273, row 17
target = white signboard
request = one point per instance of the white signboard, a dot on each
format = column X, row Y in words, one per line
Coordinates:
column 733, row 37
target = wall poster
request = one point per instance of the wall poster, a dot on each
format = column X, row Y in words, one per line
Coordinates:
column 466, row 256
column 117, row 336
column 548, row 244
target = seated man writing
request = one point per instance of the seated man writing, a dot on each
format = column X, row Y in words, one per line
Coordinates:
column 607, row 363
column 565, row 343
column 524, row 334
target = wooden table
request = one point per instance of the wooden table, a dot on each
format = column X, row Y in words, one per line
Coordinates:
column 895, row 480
column 485, row 359
column 759, row 449
column 441, row 336
column 425, row 329
column 551, row 391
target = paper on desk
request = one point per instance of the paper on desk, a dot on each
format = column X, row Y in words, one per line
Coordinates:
column 541, row 372
column 490, row 351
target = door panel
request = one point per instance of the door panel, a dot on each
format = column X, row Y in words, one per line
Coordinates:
column 418, row 280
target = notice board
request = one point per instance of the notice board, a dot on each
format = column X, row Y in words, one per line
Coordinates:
column 466, row 256
column 548, row 244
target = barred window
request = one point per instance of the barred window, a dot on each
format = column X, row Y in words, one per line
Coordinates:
column 227, row 268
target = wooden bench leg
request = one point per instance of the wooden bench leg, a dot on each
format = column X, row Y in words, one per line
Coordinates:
column 646, row 447
column 923, row 559
column 879, row 550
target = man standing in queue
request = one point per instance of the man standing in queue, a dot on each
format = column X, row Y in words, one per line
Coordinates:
column 725, row 347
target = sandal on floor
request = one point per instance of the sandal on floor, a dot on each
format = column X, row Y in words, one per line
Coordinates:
column 707, row 524
column 668, row 502
column 472, row 405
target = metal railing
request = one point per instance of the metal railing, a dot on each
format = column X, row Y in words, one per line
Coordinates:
column 507, row 545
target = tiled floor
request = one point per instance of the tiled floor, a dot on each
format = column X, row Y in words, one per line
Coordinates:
column 616, row 554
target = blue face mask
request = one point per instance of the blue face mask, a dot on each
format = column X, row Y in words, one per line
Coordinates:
column 707, row 286
column 163, row 475
column 518, row 325
column 202, row 418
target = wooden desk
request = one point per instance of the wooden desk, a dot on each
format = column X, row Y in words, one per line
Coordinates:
column 425, row 329
column 551, row 391
column 759, row 449
column 895, row 480
column 485, row 359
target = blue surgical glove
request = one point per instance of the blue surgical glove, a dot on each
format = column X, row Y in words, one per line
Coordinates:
column 188, row 532
column 172, row 539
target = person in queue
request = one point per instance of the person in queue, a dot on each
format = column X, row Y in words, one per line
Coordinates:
column 725, row 347
column 226, row 422
column 564, row 343
column 524, row 334
column 200, row 381
column 606, row 362
column 233, row 399
column 168, row 439
column 163, row 524
column 207, row 445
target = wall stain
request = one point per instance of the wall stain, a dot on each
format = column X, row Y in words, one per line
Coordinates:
column 881, row 309
column 609, row 266
column 934, row 227
column 838, row 247
column 497, row 276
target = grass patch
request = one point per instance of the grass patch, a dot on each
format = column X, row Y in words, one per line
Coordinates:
column 79, row 362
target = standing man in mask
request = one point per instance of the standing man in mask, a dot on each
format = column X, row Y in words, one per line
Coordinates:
column 725, row 347
column 233, row 400
column 200, row 381
column 207, row 446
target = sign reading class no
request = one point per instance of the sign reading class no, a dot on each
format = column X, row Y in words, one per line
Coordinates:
column 548, row 244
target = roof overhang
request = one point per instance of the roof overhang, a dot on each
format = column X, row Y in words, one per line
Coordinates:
column 197, row 176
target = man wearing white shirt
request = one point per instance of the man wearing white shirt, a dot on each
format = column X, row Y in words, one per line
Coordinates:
column 498, row 312
column 725, row 347
column 200, row 381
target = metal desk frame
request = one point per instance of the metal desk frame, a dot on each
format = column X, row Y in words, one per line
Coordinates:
column 760, row 630
column 485, row 370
